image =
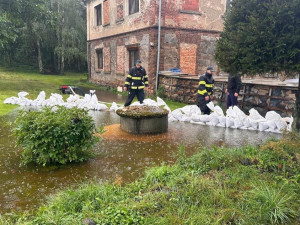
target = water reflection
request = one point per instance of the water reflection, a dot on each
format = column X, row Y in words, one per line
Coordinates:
column 118, row 155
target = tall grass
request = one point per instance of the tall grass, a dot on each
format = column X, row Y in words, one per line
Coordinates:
column 214, row 186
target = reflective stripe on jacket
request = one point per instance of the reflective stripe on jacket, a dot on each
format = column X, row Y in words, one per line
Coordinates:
column 137, row 78
column 206, row 84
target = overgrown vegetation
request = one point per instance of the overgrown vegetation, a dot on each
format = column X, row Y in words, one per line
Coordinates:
column 248, row 185
column 55, row 135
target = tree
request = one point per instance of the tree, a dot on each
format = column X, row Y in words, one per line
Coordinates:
column 262, row 36
column 50, row 34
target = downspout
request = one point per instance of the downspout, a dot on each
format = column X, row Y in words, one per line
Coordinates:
column 158, row 46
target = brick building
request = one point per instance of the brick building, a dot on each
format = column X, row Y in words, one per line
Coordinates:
column 120, row 31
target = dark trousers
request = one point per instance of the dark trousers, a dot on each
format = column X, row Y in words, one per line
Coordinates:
column 201, row 103
column 135, row 92
column 231, row 100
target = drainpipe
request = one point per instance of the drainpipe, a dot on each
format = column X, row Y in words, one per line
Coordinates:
column 158, row 46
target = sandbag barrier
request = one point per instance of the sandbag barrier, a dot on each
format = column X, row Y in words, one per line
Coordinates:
column 234, row 117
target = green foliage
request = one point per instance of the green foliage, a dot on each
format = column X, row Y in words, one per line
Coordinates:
column 161, row 92
column 53, row 136
column 260, row 37
column 49, row 34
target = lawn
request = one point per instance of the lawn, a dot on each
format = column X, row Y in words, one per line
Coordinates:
column 14, row 80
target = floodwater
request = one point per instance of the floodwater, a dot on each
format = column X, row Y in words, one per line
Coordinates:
column 120, row 155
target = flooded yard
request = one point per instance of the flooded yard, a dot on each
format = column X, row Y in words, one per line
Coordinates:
column 118, row 155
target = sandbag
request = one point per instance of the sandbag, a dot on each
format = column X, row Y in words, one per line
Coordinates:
column 214, row 120
column 204, row 118
column 222, row 121
column 229, row 122
column 177, row 114
column 263, row 126
column 160, row 102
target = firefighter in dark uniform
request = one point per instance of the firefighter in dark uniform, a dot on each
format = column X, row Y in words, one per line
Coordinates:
column 136, row 81
column 233, row 89
column 205, row 90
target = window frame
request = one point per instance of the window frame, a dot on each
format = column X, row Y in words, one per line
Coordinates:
column 100, row 60
column 136, row 4
column 136, row 55
column 98, row 15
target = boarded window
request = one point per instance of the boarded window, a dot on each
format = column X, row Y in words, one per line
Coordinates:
column 99, row 58
column 190, row 5
column 133, row 56
column 98, row 15
column 133, row 6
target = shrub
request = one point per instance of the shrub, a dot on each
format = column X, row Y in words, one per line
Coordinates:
column 55, row 136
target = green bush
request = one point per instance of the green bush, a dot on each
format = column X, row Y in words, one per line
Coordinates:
column 55, row 136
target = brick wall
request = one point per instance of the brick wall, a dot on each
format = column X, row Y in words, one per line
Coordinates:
column 106, row 57
column 188, row 58
column 261, row 97
column 190, row 5
column 106, row 12
column 120, row 9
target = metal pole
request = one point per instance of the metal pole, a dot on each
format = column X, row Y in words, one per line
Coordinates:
column 158, row 46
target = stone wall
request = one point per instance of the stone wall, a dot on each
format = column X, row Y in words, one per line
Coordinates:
column 262, row 97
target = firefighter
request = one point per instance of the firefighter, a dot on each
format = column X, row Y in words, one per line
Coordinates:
column 205, row 90
column 136, row 81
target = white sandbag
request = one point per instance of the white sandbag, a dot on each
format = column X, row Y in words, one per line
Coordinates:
column 238, row 123
column 167, row 108
column 214, row 120
column 150, row 102
column 253, row 124
column 41, row 96
column 254, row 115
column 186, row 110
column 113, row 107
column 272, row 115
column 290, row 125
column 22, row 94
column 222, row 121
column 196, row 117
column 281, row 125
column 218, row 111
column 194, row 109
column 197, row 122
column 11, row 100
column 100, row 107
column 229, row 122
column 211, row 106
column 177, row 114
column 246, row 122
column 172, row 119
column 185, row 118
column 263, row 126
column 204, row 118
column 160, row 102
column 271, row 124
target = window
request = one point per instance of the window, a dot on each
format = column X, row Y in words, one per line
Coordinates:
column 133, row 56
column 99, row 58
column 98, row 15
column 133, row 6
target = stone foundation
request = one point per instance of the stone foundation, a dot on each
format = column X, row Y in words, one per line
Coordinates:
column 259, row 94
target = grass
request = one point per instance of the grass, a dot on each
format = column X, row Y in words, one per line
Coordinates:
column 247, row 185
column 14, row 80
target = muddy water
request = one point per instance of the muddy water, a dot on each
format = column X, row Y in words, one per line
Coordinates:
column 119, row 155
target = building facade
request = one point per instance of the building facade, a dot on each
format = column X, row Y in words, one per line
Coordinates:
column 121, row 31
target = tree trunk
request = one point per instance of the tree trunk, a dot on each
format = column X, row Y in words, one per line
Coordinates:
column 296, row 124
column 40, row 62
column 62, row 65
